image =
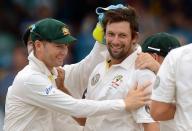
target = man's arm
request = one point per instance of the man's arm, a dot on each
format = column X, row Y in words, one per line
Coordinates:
column 151, row 126
column 77, row 75
column 39, row 91
column 161, row 111
column 137, row 96
column 142, row 114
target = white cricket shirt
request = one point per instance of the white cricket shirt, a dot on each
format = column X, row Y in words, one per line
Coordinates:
column 33, row 101
column 114, row 83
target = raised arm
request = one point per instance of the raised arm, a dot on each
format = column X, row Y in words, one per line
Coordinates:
column 76, row 75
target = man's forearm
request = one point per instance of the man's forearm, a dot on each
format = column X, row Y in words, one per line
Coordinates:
column 162, row 111
column 64, row 89
column 169, row 114
column 81, row 121
column 151, row 126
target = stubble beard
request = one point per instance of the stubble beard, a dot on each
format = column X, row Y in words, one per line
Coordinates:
column 121, row 55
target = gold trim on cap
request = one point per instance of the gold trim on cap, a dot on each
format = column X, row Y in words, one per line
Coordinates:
column 65, row 31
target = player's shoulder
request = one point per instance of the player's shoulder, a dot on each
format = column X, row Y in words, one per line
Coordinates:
column 177, row 54
column 99, row 69
column 181, row 50
column 102, row 64
column 144, row 71
column 144, row 74
column 30, row 75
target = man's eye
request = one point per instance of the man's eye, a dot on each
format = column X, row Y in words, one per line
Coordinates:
column 122, row 35
column 110, row 34
column 30, row 43
column 58, row 46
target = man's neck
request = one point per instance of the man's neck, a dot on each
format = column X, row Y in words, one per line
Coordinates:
column 114, row 62
column 50, row 68
column 118, row 61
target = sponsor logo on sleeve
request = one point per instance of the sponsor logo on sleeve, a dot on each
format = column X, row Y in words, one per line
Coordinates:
column 49, row 90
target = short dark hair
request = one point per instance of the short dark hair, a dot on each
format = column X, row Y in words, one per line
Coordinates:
column 26, row 36
column 126, row 14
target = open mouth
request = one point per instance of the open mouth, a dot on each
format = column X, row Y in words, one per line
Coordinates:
column 60, row 58
column 116, row 48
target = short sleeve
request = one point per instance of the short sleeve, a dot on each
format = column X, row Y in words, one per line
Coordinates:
column 164, row 88
column 142, row 115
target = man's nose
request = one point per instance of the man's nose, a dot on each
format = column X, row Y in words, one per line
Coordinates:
column 64, row 51
column 115, row 39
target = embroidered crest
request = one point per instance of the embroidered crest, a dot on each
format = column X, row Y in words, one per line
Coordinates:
column 65, row 31
column 95, row 79
column 117, row 80
column 51, row 77
column 157, row 81
column 32, row 27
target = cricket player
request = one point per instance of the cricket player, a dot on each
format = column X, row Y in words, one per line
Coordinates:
column 62, row 120
column 79, row 73
column 173, row 84
column 114, row 77
column 156, row 48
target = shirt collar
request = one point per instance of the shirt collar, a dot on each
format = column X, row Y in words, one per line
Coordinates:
column 41, row 67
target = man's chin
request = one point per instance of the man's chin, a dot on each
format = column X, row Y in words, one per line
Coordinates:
column 59, row 64
column 115, row 55
column 118, row 56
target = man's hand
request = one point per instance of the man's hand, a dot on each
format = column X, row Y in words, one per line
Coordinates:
column 146, row 61
column 60, row 80
column 60, row 77
column 137, row 97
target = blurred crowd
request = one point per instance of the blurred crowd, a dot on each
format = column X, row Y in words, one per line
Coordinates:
column 172, row 16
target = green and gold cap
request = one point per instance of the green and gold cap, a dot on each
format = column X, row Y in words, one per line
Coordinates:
column 51, row 30
column 160, row 43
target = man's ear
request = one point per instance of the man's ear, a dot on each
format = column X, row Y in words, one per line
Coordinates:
column 37, row 44
column 156, row 56
column 135, row 38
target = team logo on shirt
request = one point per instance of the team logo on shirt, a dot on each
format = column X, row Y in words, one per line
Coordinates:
column 116, row 81
column 157, row 81
column 95, row 79
column 51, row 77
